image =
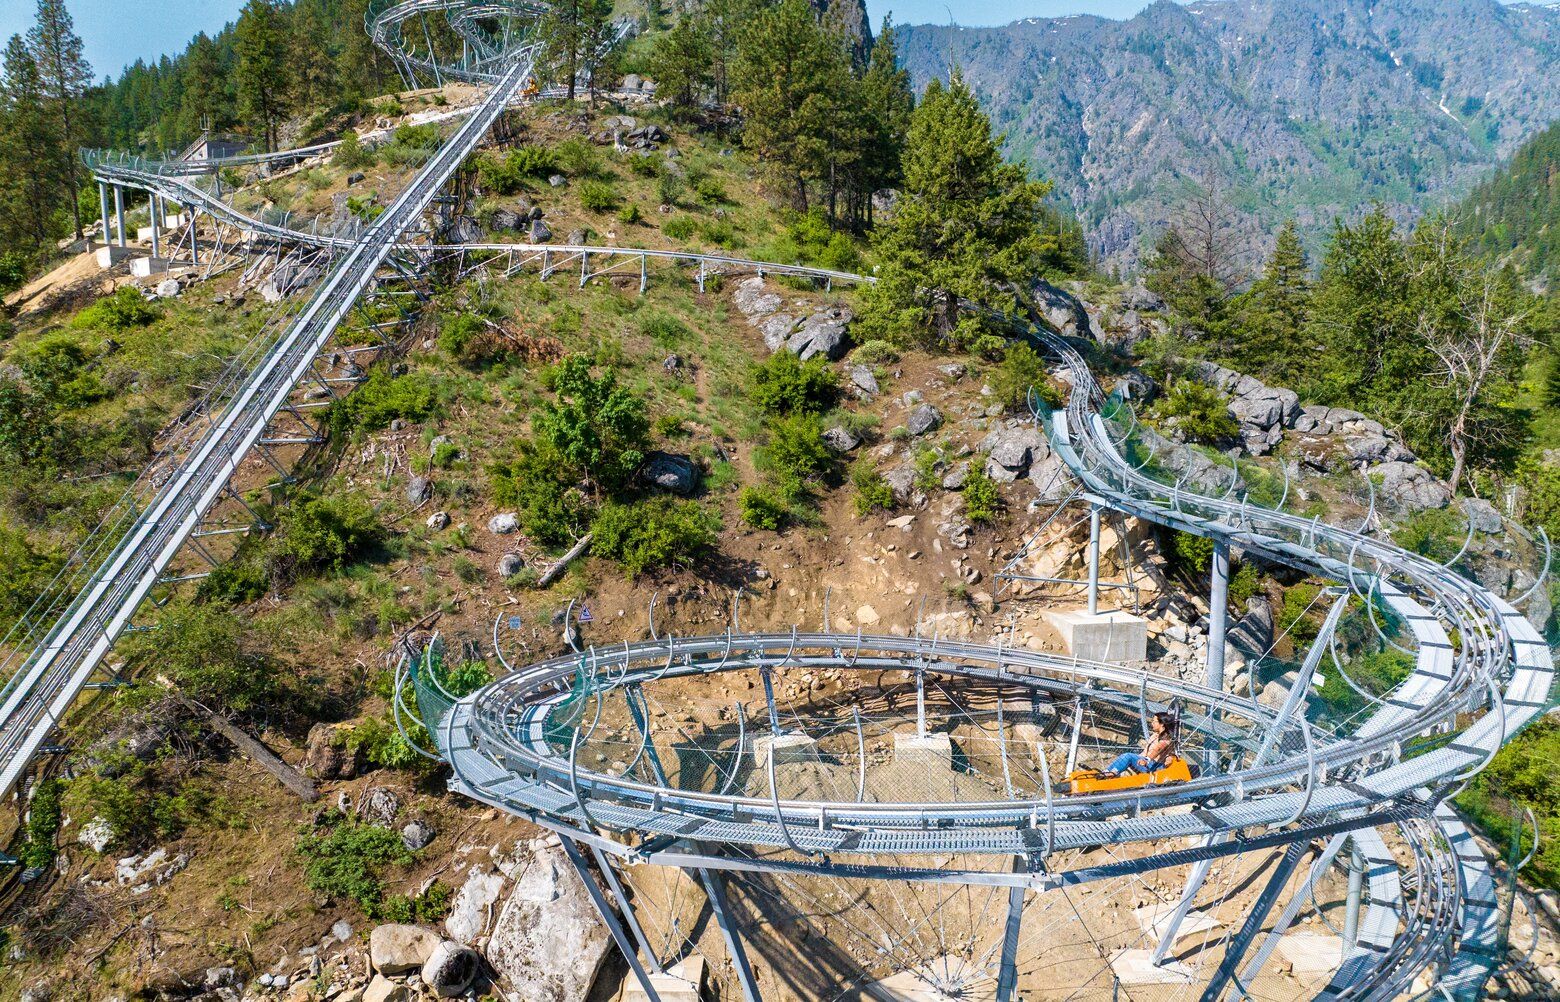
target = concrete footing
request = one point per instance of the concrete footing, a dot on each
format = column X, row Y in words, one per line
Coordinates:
column 933, row 751
column 1106, row 636
column 1136, row 967
column 682, row 982
column 786, row 749
column 1313, row 958
column 109, row 256
column 1155, row 919
column 146, row 267
column 944, row 979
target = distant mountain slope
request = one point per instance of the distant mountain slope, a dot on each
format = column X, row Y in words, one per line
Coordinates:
column 1517, row 212
column 1308, row 108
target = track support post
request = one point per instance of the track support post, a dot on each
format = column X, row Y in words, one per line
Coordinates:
column 608, row 916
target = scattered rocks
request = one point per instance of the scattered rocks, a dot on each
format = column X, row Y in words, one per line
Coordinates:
column 956, row 477
column 822, row 333
column 504, row 523
column 142, row 873
column 450, row 969
column 671, row 472
column 541, row 233
column 419, row 490
column 398, row 949
column 382, row 989
column 168, row 288
column 953, row 371
column 96, row 834
column 862, row 381
column 510, row 564
column 439, row 521
column 557, row 180
column 924, row 419
column 379, row 806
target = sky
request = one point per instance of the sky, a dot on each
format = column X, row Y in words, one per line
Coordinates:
column 117, row 32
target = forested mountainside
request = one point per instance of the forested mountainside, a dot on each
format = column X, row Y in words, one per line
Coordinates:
column 1301, row 108
column 1517, row 212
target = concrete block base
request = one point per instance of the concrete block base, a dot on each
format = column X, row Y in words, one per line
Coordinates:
column 109, row 256
column 1313, row 958
column 933, row 751
column 945, row 979
column 144, row 233
column 1155, row 919
column 1112, row 637
column 146, row 267
column 1134, row 967
column 786, row 749
column 682, row 982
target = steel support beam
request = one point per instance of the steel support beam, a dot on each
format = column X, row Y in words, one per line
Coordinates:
column 1094, row 559
column 1254, row 919
column 1218, row 613
column 103, row 207
column 151, row 210
column 1007, row 973
column 715, row 889
column 1351, row 908
column 614, row 927
column 119, row 214
column 626, row 908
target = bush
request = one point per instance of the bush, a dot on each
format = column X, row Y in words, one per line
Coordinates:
column 631, row 216
column 669, row 189
column 235, row 582
column 120, row 312
column 351, row 154
column 383, row 744
column 576, row 157
column 982, row 498
column 416, row 137
column 381, row 399
column 660, row 532
column 598, row 196
column 507, row 174
column 680, row 227
column 347, row 862
column 465, row 678
column 1300, row 625
column 1191, row 554
column 1522, row 775
column 875, row 353
column 551, row 510
column 1021, row 368
column 796, row 449
column 59, row 367
column 872, row 492
column 645, row 164
column 329, row 532
column 664, row 329
column 1200, row 411
column 763, row 508
column 710, row 190
column 204, row 651
column 1437, row 534
column 14, row 269
column 470, row 340
column 43, row 825
column 597, row 428
column 784, row 384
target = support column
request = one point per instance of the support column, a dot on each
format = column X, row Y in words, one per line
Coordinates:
column 608, row 916
column 1094, row 560
column 1351, row 913
column 151, row 208
column 1237, row 947
column 119, row 214
column 1218, row 613
column 194, row 236
column 721, row 907
column 103, row 205
column 616, row 887
column 1183, row 906
column 1007, row 974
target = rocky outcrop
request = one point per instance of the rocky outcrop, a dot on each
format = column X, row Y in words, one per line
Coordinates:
column 804, row 331
column 548, row 940
column 1411, row 488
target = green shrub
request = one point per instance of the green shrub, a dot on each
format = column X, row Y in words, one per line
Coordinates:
column 1020, row 369
column 872, row 491
column 809, row 239
column 43, row 825
column 646, row 164
column 507, row 174
column 328, row 533
column 1437, row 534
column 1201, row 412
column 429, row 907
column 875, row 353
column 982, row 498
column 664, row 329
column 204, row 650
column 576, row 157
column 366, row 208
column 680, row 227
column 710, row 191
column 1300, row 625
column 795, row 447
column 1191, row 554
column 16, row 266
column 784, row 384
column 551, row 510
column 660, row 532
column 381, row 399
column 1523, row 774
column 235, row 582
column 351, row 154
column 598, row 196
column 599, row 429
column 1378, row 673
column 59, row 367
column 465, row 678
column 27, row 573
column 383, row 744
column 347, row 861
column 468, row 339
column 1541, row 496
column 669, row 189
column 763, row 508
column 720, row 233
column 631, row 215
column 125, row 310
column 1245, row 583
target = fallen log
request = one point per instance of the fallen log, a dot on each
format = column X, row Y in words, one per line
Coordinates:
column 262, row 756
column 564, row 561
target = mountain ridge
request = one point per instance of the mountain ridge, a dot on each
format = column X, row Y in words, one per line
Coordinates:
column 1312, row 108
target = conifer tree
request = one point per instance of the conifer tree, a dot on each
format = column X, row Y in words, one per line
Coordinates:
column 965, row 227
column 682, row 62
column 1274, row 311
column 205, row 100
column 262, row 73
column 314, row 69
column 886, row 105
column 31, row 172
column 66, row 75
column 560, row 31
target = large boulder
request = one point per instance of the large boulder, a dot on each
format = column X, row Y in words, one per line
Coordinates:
column 1060, row 308
column 548, row 940
column 825, row 333
column 289, row 277
column 1411, row 488
column 472, row 908
column 753, row 300
column 1013, row 447
column 450, row 969
column 1266, row 408
column 671, row 472
column 924, row 419
column 862, row 381
column 507, row 219
column 1486, row 518
column 397, row 949
column 328, row 757
column 841, row 439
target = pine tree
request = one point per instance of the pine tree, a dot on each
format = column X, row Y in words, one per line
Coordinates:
column 887, row 103
column 31, row 172
column 1273, row 312
column 262, row 72
column 683, row 62
column 56, row 48
column 205, row 100
column 360, row 65
column 792, row 80
column 599, row 49
column 725, row 22
column 965, row 227
column 560, row 31
column 314, row 68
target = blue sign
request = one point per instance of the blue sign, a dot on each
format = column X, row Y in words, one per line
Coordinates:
column 514, row 622
column 585, row 616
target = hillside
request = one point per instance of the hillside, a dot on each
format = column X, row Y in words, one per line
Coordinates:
column 1307, row 109
column 1516, row 213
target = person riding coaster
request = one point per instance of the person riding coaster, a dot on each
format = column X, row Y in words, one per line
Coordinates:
column 1158, row 763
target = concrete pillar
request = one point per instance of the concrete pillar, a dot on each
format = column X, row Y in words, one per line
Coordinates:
column 1351, row 911
column 103, row 206
column 151, row 208
column 119, row 214
column 1218, row 613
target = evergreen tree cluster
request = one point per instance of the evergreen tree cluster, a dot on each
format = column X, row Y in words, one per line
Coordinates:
column 1417, row 328
column 1517, row 212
